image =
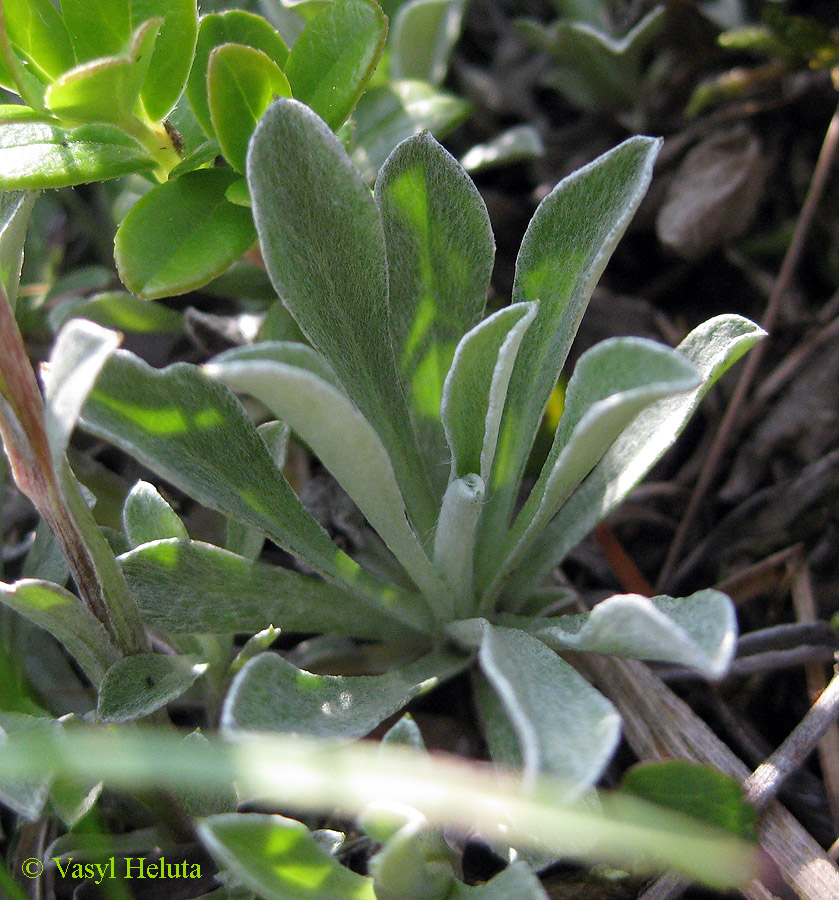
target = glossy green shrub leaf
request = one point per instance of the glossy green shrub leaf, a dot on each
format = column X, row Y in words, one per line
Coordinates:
column 700, row 791
column 699, row 631
column 343, row 440
column 271, row 694
column 566, row 247
column 422, row 37
column 234, row 26
column 323, row 244
column 147, row 517
column 98, row 27
column 15, row 210
column 106, row 89
column 611, row 384
column 712, row 348
column 173, row 51
column 278, row 858
column 203, row 155
column 476, row 388
column 182, row 234
column 190, row 588
column 241, row 83
column 67, row 619
column 138, row 685
column 334, row 57
column 387, row 114
column 39, row 37
column 561, row 723
column 79, row 352
column 35, row 155
column 440, row 253
column 193, row 432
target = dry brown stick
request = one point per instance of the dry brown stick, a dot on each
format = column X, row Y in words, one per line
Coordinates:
column 755, row 358
column 658, row 725
column 828, row 746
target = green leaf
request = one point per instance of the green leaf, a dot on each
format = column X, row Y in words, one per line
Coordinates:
column 15, row 210
column 387, row 114
column 121, row 311
column 209, row 801
column 700, row 791
column 612, row 382
column 271, row 694
column 278, row 858
column 516, row 882
column 106, row 89
column 476, row 388
column 190, row 587
column 440, row 253
column 173, row 51
column 323, row 244
column 77, row 357
column 193, row 432
column 513, row 145
column 27, row 797
column 414, row 864
column 17, row 114
column 454, row 541
column 138, row 685
column 421, row 41
column 301, row 773
column 712, row 348
column 67, row 619
column 241, row 83
column 147, row 517
column 341, row 438
column 39, row 37
column 334, row 57
column 564, row 250
column 699, row 631
column 36, row 155
column 97, row 27
column 243, row 539
column 182, row 234
column 203, row 155
column 232, row 27
column 539, row 712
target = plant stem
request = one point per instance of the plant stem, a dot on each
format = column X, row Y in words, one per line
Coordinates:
column 156, row 140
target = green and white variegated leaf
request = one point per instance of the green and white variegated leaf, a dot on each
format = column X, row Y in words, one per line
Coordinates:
column 476, row 388
column 712, row 348
column 699, row 631
column 271, row 694
column 15, row 209
column 138, row 685
column 611, row 384
column 563, row 253
column 190, row 587
column 538, row 712
column 26, row 796
column 243, row 539
column 345, row 443
column 147, row 517
column 78, row 355
column 440, row 252
column 422, row 37
column 67, row 619
column 323, row 244
column 193, row 432
column 279, row 859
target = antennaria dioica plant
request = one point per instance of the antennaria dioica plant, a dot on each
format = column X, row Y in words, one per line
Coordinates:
column 424, row 408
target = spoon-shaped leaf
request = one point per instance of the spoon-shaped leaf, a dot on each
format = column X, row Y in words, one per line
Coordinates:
column 323, row 244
